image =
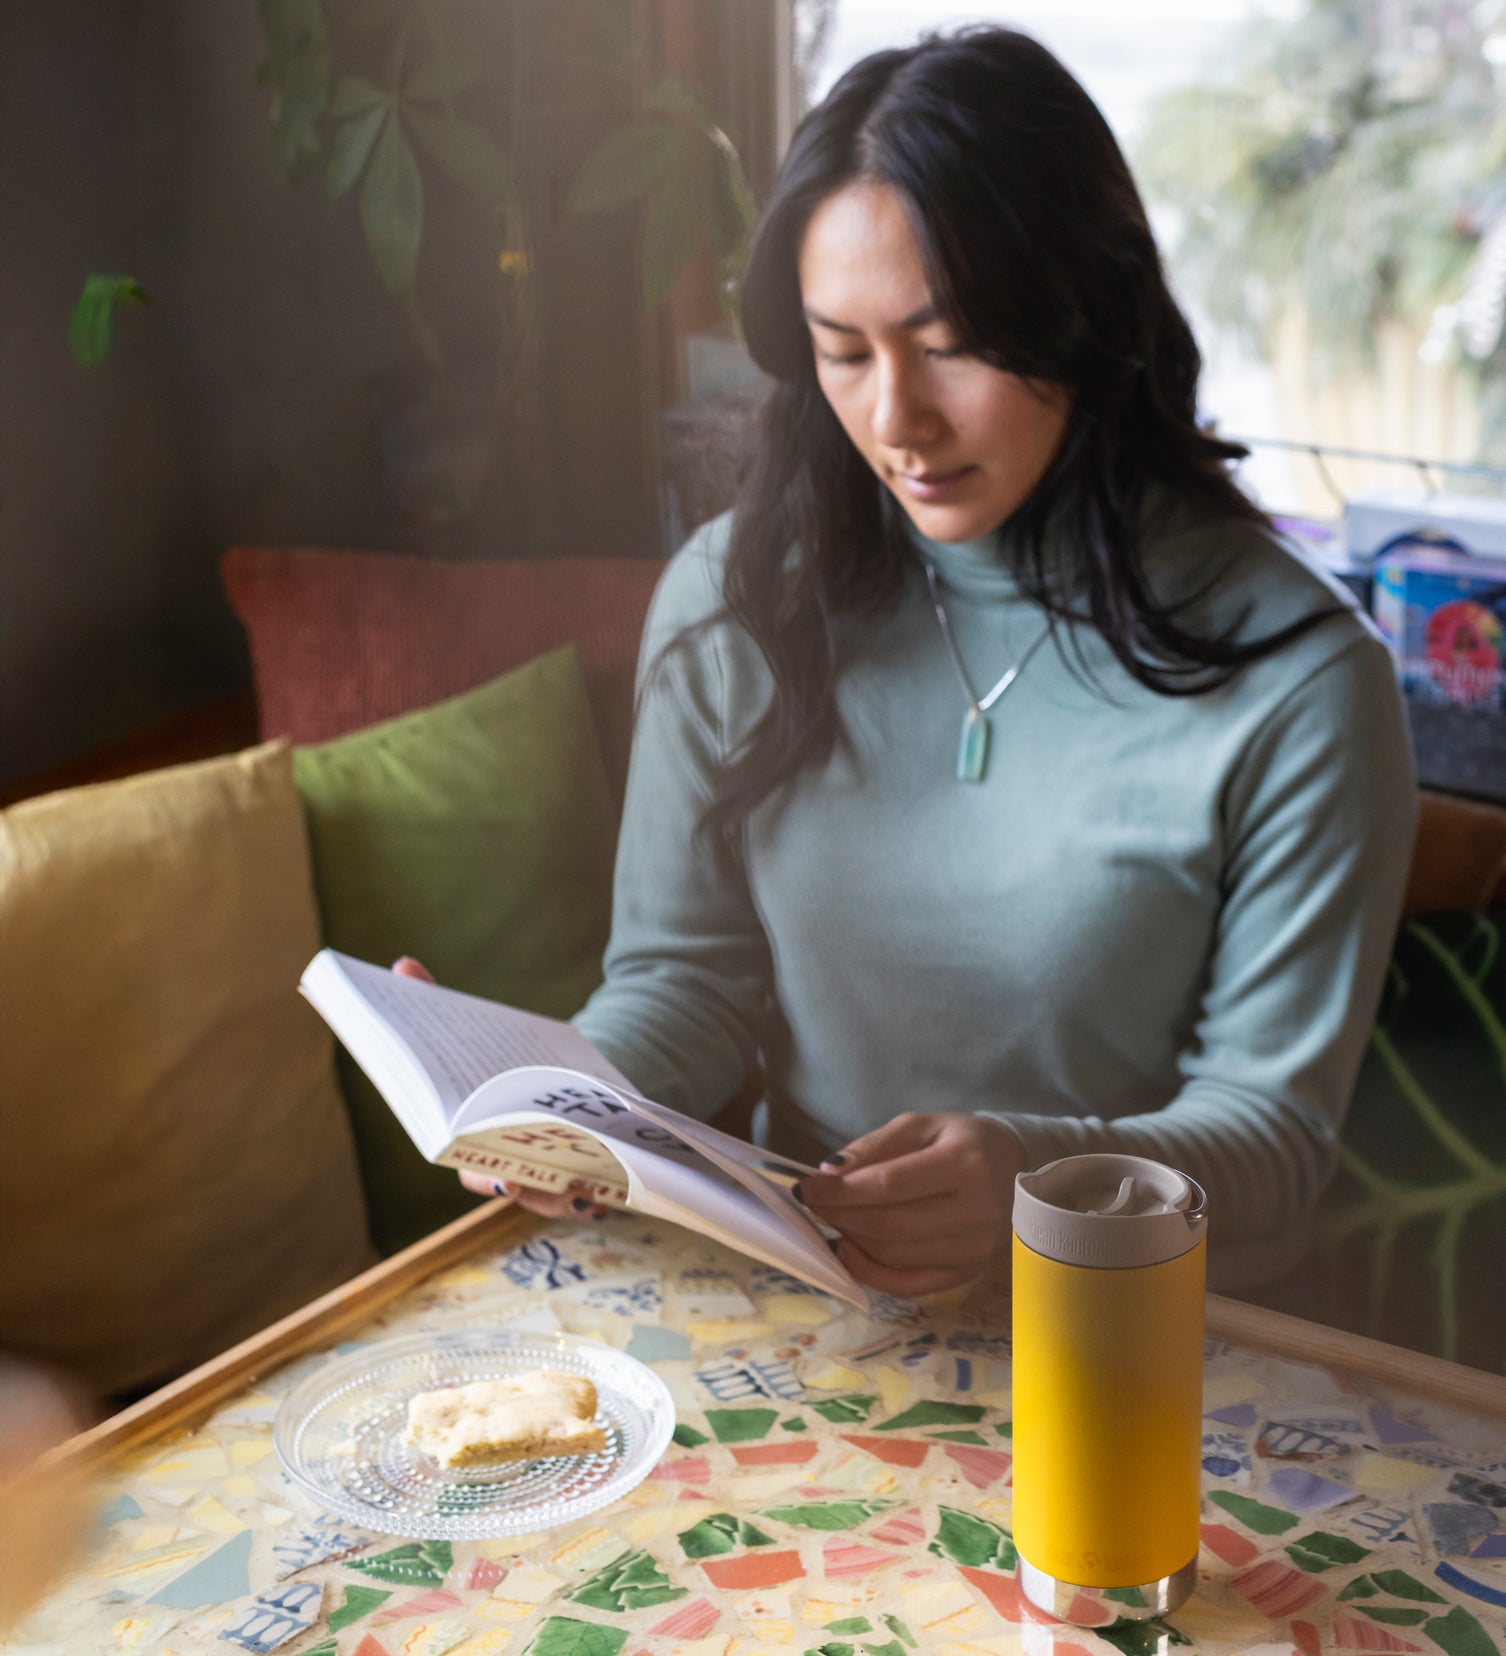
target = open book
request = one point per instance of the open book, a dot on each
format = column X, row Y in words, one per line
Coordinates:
column 528, row 1099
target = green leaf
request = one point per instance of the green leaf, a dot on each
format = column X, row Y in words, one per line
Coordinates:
column 1460, row 1634
column 351, row 149
column 441, row 79
column 625, row 167
column 634, row 1581
column 354, row 95
column 93, row 317
column 721, row 1533
column 296, row 75
column 741, row 1425
column 826, row 1515
column 568, row 1636
column 462, row 150
column 359, row 1601
column 392, row 208
column 977, row 1542
column 1255, row 1515
column 844, row 1411
column 671, row 234
column 932, row 1412
column 671, row 96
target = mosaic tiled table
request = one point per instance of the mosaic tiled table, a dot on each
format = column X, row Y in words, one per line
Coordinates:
column 839, row 1485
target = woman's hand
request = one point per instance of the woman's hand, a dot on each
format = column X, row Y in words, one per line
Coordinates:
column 573, row 1204
column 923, row 1203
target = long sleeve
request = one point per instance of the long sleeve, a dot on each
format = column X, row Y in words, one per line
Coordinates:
column 1317, row 824
column 687, row 970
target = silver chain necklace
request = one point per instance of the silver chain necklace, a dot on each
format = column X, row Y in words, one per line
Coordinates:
column 972, row 746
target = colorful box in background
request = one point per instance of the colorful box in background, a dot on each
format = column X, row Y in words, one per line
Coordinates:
column 1379, row 520
column 1320, row 543
column 1444, row 616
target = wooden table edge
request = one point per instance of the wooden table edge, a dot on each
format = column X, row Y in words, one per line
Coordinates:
column 196, row 1393
column 316, row 1324
column 1335, row 1348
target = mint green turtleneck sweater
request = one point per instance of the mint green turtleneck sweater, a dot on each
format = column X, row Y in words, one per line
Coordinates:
column 1159, row 925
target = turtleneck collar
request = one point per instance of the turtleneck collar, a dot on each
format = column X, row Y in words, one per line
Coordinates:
column 979, row 570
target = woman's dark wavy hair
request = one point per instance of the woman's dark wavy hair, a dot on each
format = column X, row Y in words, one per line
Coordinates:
column 1041, row 260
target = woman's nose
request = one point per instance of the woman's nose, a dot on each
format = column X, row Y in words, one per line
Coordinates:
column 902, row 413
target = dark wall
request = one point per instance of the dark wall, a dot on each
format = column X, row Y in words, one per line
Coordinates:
column 259, row 397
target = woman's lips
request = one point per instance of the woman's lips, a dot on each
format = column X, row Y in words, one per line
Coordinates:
column 932, row 485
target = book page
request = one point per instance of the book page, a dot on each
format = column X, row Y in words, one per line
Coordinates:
column 461, row 1041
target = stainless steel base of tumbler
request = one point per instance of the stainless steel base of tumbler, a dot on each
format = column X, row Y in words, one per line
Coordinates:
column 1097, row 1606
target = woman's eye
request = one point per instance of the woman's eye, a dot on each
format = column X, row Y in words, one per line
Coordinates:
column 939, row 353
column 837, row 360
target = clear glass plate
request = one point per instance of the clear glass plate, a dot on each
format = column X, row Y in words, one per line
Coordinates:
column 340, row 1436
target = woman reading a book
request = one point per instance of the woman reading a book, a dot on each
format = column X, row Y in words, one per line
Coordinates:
column 1000, row 784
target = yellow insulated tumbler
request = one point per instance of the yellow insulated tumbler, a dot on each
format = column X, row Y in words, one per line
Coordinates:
column 1109, row 1265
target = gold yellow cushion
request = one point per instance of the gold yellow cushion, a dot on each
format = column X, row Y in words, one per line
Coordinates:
column 176, row 1165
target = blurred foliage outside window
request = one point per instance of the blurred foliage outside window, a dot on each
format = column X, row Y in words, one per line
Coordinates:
column 1338, row 189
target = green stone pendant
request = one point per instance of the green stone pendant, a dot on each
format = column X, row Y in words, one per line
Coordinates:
column 972, row 749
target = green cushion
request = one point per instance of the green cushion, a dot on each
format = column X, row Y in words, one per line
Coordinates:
column 476, row 835
column 1411, row 1242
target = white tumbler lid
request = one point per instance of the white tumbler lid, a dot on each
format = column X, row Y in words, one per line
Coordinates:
column 1112, row 1212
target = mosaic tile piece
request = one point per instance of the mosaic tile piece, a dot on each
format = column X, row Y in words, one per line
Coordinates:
column 1456, row 1526
column 1296, row 1486
column 741, row 1425
column 1227, row 1455
column 1482, row 1590
column 842, row 1411
column 1237, row 1414
column 906, row 1452
column 723, row 1532
column 358, row 1602
column 775, row 1454
column 635, row 1581
column 415, row 1564
column 213, row 1580
column 730, row 1382
column 424, row 1604
column 981, row 1467
column 1278, row 1590
column 841, row 1558
column 657, row 1345
column 539, row 1264
column 275, row 1618
column 757, row 1569
column 569, row 1636
column 934, row 1412
column 827, row 1515
column 1253, row 1514
column 967, row 1538
column 1460, row 1634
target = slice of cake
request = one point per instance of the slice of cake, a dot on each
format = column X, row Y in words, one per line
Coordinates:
column 488, row 1422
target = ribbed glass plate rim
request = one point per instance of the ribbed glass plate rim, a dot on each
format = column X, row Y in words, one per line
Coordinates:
column 633, row 1403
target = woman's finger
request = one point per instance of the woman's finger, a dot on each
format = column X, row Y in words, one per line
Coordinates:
column 907, row 1284
column 548, row 1204
column 407, row 966
column 941, row 1220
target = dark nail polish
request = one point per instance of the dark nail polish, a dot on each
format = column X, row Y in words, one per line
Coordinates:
column 581, row 1205
column 837, row 1160
column 498, row 1188
column 798, row 1192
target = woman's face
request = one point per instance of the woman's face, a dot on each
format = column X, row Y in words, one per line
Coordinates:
column 958, row 442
